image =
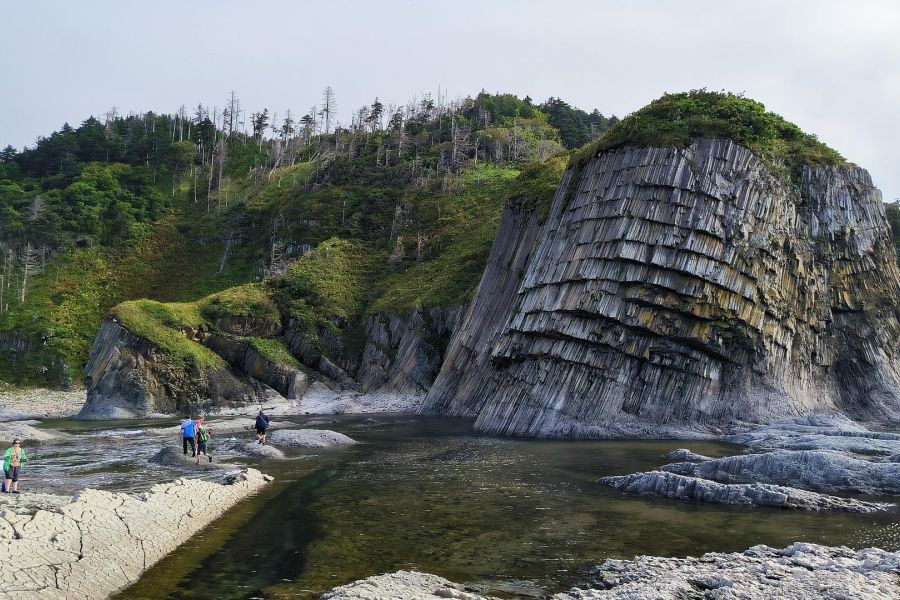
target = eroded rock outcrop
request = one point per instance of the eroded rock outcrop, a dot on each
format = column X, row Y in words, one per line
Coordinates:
column 101, row 542
column 807, row 469
column 130, row 377
column 676, row 290
column 800, row 572
column 665, row 484
column 404, row 355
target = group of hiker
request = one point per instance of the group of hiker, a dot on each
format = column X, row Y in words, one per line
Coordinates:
column 195, row 433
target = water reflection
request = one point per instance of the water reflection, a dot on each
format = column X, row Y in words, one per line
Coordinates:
column 519, row 517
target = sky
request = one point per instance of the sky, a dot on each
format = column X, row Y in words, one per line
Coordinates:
column 832, row 67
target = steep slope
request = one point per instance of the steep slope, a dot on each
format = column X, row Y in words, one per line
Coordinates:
column 673, row 290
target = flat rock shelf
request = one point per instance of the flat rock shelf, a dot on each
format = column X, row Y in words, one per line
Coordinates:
column 101, row 541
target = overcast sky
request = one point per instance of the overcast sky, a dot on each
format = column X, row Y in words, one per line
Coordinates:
column 831, row 67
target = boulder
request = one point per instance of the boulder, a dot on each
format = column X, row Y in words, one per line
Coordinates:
column 408, row 585
column 309, row 438
column 175, row 457
column 817, row 470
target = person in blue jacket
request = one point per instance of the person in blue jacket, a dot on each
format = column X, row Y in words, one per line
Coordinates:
column 188, row 432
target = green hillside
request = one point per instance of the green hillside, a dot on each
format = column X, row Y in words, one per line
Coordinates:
column 394, row 213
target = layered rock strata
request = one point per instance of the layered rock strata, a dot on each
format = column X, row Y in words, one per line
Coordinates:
column 128, row 376
column 673, row 291
column 821, row 432
column 665, row 484
column 828, row 471
column 101, row 542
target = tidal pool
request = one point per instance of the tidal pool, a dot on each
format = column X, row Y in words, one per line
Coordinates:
column 517, row 518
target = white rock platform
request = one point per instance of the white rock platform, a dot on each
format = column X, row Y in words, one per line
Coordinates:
column 799, row 572
column 101, row 542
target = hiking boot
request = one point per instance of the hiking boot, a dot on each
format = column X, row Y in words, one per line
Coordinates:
column 210, row 459
column 15, row 491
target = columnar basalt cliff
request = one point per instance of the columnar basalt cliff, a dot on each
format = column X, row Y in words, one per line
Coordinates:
column 672, row 291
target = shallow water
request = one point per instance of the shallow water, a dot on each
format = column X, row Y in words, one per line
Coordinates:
column 517, row 517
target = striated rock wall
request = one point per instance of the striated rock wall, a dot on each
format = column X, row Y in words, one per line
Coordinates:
column 101, row 542
column 688, row 288
column 405, row 355
column 287, row 380
column 800, row 572
column 464, row 381
column 129, row 377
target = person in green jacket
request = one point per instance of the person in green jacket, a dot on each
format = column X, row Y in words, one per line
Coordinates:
column 13, row 460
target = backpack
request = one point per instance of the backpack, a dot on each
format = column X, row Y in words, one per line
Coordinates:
column 204, row 434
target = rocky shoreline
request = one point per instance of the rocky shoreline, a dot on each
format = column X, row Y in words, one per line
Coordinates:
column 789, row 464
column 100, row 542
column 799, row 572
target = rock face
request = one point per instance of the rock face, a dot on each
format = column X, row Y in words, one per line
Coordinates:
column 463, row 383
column 681, row 487
column 101, row 542
column 405, row 355
column 821, row 432
column 808, row 469
column 800, row 572
column 287, row 380
column 685, row 287
column 129, row 377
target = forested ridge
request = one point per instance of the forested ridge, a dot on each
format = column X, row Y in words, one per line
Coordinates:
column 392, row 212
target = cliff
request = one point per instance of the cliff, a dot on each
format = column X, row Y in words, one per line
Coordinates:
column 674, row 290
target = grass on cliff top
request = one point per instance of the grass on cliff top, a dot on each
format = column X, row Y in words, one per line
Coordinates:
column 161, row 324
column 458, row 251
column 333, row 281
column 273, row 350
column 535, row 187
column 248, row 300
column 680, row 119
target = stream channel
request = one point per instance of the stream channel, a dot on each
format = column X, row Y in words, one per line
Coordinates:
column 516, row 518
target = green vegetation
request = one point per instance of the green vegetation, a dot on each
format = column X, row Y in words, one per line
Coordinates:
column 162, row 324
column 249, row 300
column 535, row 188
column 327, row 285
column 459, row 247
column 273, row 350
column 679, row 119
column 200, row 221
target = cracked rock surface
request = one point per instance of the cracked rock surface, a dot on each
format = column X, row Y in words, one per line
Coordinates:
column 100, row 542
column 799, row 572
